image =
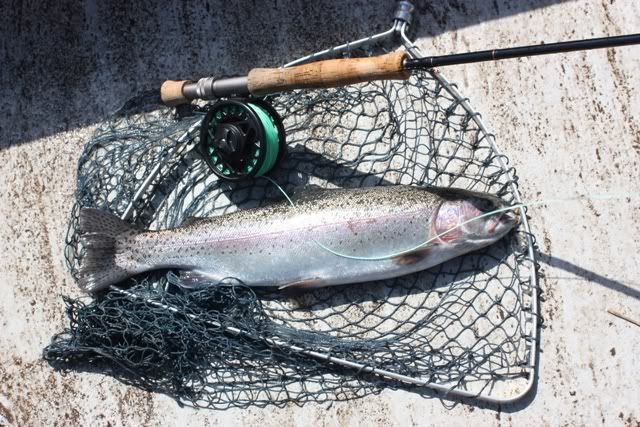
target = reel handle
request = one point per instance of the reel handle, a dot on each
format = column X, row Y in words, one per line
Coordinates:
column 329, row 73
column 263, row 81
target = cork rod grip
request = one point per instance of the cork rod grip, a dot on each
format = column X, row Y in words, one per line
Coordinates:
column 330, row 73
column 171, row 92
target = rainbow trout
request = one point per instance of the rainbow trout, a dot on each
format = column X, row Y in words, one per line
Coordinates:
column 330, row 237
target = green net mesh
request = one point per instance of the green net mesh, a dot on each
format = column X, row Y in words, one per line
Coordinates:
column 466, row 325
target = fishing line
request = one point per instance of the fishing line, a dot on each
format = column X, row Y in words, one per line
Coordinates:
column 611, row 196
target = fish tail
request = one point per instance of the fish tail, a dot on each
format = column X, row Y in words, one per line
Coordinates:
column 100, row 235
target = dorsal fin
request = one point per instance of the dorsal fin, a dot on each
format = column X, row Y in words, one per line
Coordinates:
column 307, row 191
column 192, row 220
column 306, row 188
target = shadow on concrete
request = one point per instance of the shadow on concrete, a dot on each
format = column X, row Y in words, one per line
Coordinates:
column 590, row 276
column 67, row 64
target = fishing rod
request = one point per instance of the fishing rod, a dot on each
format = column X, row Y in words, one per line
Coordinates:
column 339, row 72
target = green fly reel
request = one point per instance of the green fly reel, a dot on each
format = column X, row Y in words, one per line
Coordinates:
column 241, row 138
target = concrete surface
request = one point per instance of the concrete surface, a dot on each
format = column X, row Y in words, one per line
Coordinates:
column 570, row 124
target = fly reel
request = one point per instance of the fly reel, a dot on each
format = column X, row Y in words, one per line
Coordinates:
column 242, row 138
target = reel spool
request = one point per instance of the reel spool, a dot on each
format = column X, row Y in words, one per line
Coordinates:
column 241, row 138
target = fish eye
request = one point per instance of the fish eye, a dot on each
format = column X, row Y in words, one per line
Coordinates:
column 483, row 205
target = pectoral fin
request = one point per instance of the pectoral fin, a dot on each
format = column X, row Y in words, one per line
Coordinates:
column 411, row 258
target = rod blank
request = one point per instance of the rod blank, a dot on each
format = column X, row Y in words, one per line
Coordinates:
column 519, row 52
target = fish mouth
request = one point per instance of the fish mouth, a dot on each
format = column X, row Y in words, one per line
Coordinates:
column 511, row 218
column 505, row 222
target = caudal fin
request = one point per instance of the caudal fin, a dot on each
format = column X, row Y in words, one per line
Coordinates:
column 100, row 233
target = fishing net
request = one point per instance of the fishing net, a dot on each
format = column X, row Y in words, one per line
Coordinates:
column 466, row 327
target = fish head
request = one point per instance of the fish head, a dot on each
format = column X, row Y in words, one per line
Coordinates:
column 469, row 220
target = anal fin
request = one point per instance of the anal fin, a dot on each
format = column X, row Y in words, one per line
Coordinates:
column 311, row 283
